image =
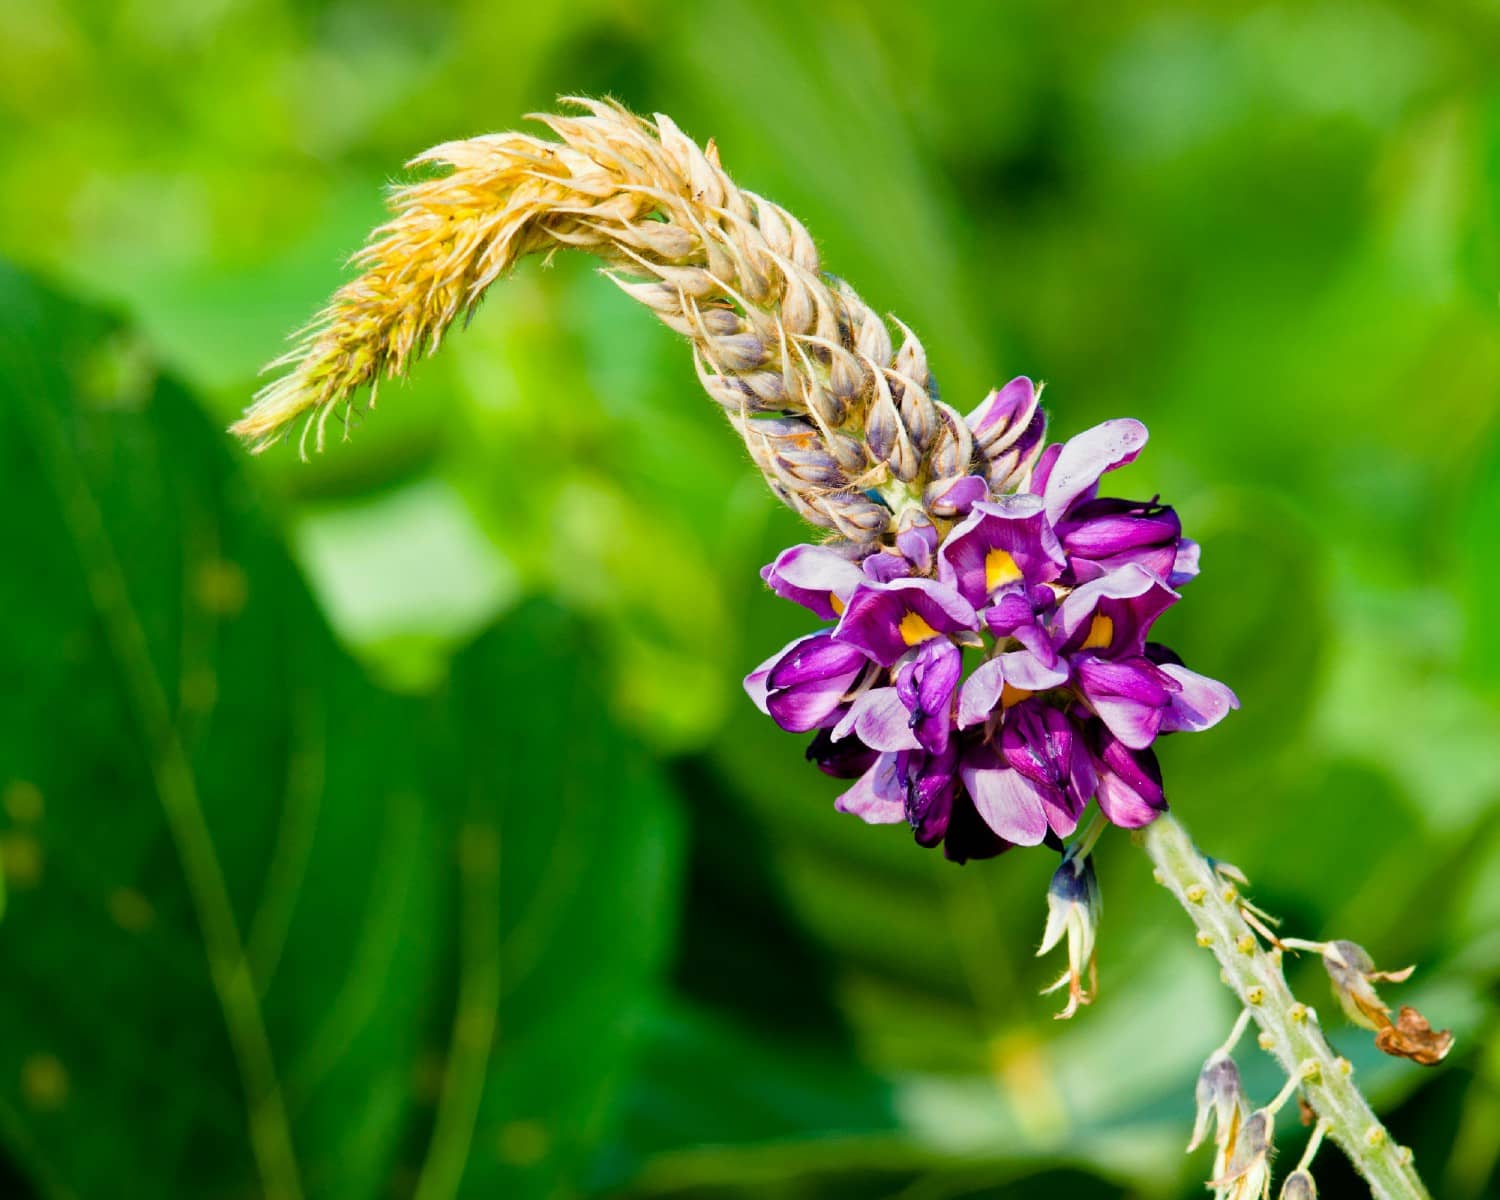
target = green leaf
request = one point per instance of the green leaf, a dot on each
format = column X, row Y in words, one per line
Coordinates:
column 274, row 930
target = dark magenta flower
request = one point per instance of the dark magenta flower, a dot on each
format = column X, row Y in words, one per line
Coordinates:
column 887, row 620
column 988, row 674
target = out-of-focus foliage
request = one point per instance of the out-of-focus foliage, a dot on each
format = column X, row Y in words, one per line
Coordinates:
column 491, row 945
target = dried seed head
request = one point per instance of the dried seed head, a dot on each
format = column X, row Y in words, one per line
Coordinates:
column 730, row 271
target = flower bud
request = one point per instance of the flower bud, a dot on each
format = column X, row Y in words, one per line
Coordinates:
column 1073, row 908
column 1248, row 1174
column 1299, row 1185
column 1221, row 1104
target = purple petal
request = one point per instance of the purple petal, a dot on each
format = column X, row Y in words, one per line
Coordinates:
column 957, row 496
column 926, row 685
column 806, row 706
column 1201, row 704
column 931, row 783
column 1101, row 528
column 918, row 543
column 757, row 682
column 814, row 577
column 1005, row 410
column 1083, row 459
column 886, row 620
column 879, row 719
column 1129, row 791
column 1010, row 611
column 878, row 797
column 1130, row 696
column 816, row 658
column 886, row 566
column 1010, row 803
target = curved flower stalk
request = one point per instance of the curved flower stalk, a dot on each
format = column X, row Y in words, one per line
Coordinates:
column 984, row 671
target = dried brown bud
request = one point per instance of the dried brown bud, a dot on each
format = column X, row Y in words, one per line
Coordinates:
column 1353, row 975
column 1412, row 1037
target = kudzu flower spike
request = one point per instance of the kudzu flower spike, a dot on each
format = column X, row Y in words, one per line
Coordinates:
column 985, row 669
column 987, row 672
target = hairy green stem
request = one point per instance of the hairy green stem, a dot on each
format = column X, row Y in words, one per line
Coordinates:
column 1289, row 1029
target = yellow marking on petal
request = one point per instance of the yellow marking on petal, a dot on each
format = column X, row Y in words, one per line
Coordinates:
column 836, row 604
column 914, row 630
column 999, row 568
column 1101, row 633
column 1011, row 696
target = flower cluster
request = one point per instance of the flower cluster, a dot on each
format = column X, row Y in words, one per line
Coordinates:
column 987, row 674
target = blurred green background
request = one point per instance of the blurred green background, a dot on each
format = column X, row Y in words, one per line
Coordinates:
column 394, row 824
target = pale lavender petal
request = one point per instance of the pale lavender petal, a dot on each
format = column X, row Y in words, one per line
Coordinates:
column 918, row 542
column 877, row 797
column 980, row 693
column 886, row 566
column 1201, row 704
column 1010, row 803
column 1023, row 670
column 1083, row 459
column 879, row 720
column 1185, row 565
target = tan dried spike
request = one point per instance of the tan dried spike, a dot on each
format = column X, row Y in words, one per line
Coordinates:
column 804, row 369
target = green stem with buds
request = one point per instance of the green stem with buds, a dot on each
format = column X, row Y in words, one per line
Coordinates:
column 1289, row 1029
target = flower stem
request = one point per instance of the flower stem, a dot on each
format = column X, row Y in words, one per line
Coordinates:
column 1290, row 1029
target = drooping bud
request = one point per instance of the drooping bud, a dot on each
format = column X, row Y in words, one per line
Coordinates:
column 1221, row 1105
column 1299, row 1185
column 1248, row 1174
column 1073, row 908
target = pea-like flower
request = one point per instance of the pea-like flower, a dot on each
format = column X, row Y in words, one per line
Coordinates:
column 985, row 675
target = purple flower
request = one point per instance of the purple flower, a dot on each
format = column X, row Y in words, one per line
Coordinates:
column 803, row 686
column 1003, row 545
column 925, row 687
column 887, row 620
column 1051, row 593
column 814, row 577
